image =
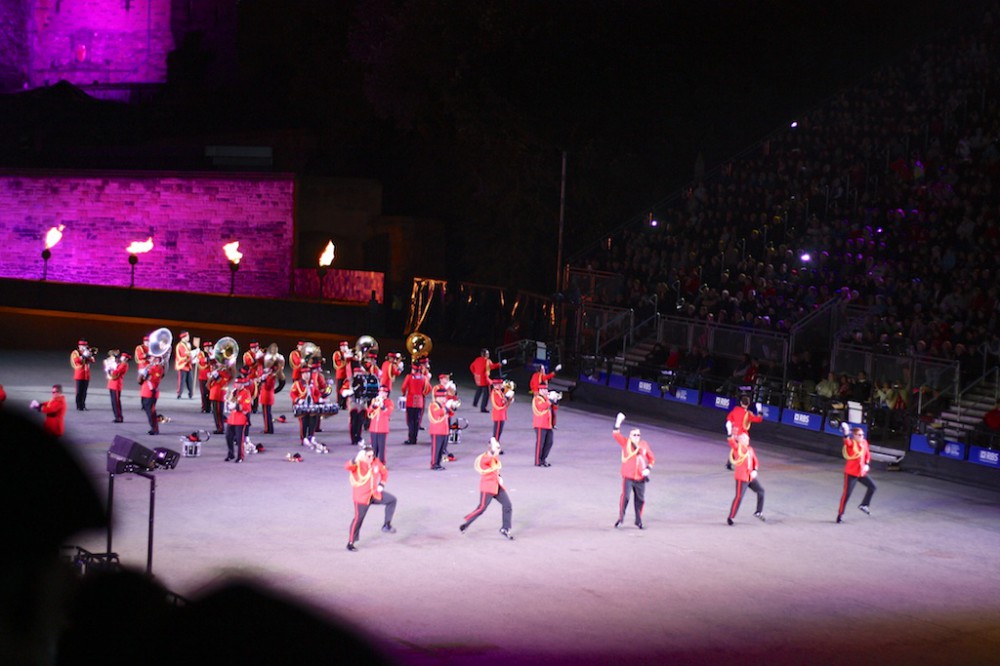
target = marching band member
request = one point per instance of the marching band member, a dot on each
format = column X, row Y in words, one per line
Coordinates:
column 744, row 461
column 80, row 359
column 182, row 364
column 266, row 395
column 543, row 413
column 218, row 385
column 437, row 417
column 637, row 461
column 351, row 392
column 308, row 390
column 541, row 377
column 480, row 369
column 392, row 368
column 379, row 413
column 151, row 375
column 253, row 358
column 491, row 487
column 141, row 355
column 740, row 418
column 54, row 411
column 858, row 457
column 415, row 387
column 295, row 360
column 116, row 371
column 204, row 370
column 368, row 476
column 500, row 400
column 239, row 406
column 342, row 367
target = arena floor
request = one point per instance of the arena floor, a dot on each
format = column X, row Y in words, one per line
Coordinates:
column 918, row 580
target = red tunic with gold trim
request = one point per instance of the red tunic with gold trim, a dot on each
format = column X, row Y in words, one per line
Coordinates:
column 488, row 466
column 743, row 459
column 365, row 479
column 634, row 458
column 857, row 454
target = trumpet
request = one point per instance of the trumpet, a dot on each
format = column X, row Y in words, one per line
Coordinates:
column 90, row 353
column 111, row 362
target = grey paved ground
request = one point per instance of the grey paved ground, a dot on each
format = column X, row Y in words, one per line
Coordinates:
column 918, row 580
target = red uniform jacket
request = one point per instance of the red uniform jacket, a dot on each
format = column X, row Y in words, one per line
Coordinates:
column 151, row 385
column 634, row 458
column 115, row 380
column 743, row 458
column 857, row 455
column 538, row 378
column 741, row 418
column 204, row 367
column 341, row 365
column 365, row 479
column 480, row 369
column 390, row 370
column 415, row 387
column 541, row 410
column 81, row 365
column 301, row 391
column 488, row 467
column 267, row 389
column 182, row 356
column 244, row 403
column 499, row 404
column 437, row 416
column 217, row 387
column 295, row 360
column 140, row 356
column 380, row 416
column 55, row 415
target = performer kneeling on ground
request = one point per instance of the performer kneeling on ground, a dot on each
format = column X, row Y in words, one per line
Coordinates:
column 491, row 486
column 368, row 478
column 858, row 456
column 637, row 462
column 744, row 462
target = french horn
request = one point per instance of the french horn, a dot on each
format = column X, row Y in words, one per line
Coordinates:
column 225, row 351
column 161, row 342
column 419, row 345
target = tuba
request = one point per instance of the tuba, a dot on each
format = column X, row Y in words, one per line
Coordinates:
column 225, row 351
column 311, row 352
column 161, row 342
column 419, row 345
column 364, row 345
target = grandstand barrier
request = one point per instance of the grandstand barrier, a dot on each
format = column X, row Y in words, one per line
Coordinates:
column 987, row 457
column 644, row 386
column 688, row 396
column 953, row 450
column 805, row 420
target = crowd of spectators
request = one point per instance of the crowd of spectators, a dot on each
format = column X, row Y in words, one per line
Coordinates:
column 888, row 188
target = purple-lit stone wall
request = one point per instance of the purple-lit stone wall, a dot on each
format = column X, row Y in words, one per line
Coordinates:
column 98, row 41
column 189, row 216
column 339, row 285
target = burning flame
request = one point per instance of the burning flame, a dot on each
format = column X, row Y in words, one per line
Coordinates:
column 53, row 236
column 326, row 258
column 232, row 251
column 135, row 247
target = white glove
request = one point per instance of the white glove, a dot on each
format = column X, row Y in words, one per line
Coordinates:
column 347, row 392
column 509, row 394
column 618, row 421
column 35, row 404
column 729, row 428
column 864, row 470
column 760, row 407
column 845, row 428
column 359, row 456
column 500, row 480
column 381, row 487
column 503, row 361
column 753, row 474
column 558, row 367
column 645, row 471
column 451, row 405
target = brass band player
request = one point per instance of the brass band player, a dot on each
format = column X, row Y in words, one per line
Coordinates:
column 204, row 361
column 307, row 394
column 81, row 359
column 116, row 367
column 218, row 385
column 183, row 365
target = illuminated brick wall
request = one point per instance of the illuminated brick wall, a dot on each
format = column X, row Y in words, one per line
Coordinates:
column 189, row 216
column 98, row 41
column 339, row 285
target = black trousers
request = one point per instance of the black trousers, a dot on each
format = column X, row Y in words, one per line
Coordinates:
column 81, row 393
column 636, row 489
column 849, row 482
column 413, row 415
column 741, row 487
column 484, row 501
column 235, row 434
column 543, row 444
column 149, row 406
column 484, row 392
column 116, row 405
column 378, row 444
column 361, row 510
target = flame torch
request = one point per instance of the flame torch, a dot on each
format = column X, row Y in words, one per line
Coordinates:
column 52, row 237
column 134, row 249
column 234, row 256
column 325, row 260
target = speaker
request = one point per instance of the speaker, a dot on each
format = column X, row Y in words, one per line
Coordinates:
column 166, row 458
column 125, row 455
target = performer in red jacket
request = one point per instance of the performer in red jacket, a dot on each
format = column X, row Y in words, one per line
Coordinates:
column 204, row 370
column 543, row 413
column 740, row 418
column 637, row 462
column 368, row 477
column 744, row 461
column 149, row 391
column 415, row 387
column 491, row 486
column 437, row 418
column 81, row 359
column 858, row 455
column 379, row 413
column 55, row 412
column 480, row 369
column 500, row 400
column 239, row 406
column 116, row 368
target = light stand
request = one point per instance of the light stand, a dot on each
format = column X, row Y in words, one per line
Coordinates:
column 233, row 267
column 133, row 259
column 46, row 255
